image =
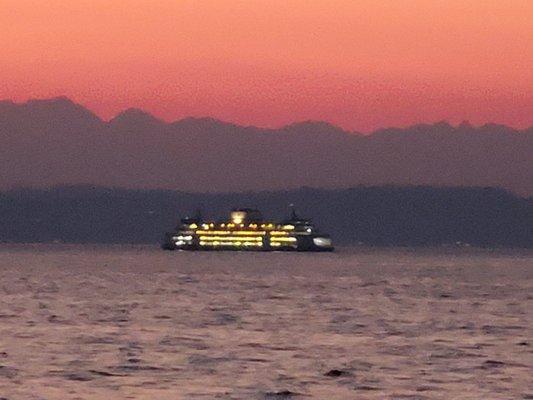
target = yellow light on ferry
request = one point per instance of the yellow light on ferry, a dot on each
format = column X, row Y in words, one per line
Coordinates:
column 216, row 238
column 283, row 239
column 234, row 244
column 253, row 233
column 288, row 227
column 193, row 226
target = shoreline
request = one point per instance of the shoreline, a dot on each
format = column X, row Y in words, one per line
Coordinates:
column 342, row 249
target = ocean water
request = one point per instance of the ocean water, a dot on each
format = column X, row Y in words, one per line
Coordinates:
column 139, row 323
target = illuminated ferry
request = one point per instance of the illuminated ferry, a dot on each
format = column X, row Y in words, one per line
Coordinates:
column 247, row 230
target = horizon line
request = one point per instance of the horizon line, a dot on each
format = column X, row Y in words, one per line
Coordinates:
column 284, row 126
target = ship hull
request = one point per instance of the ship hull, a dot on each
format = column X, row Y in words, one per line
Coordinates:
column 234, row 248
column 301, row 244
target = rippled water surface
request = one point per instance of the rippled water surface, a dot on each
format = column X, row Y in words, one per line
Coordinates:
column 139, row 323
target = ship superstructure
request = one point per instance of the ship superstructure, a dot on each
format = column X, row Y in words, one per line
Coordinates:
column 247, row 230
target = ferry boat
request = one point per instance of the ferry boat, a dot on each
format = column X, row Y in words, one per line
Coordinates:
column 247, row 230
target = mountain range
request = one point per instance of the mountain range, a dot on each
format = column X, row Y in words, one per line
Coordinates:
column 52, row 142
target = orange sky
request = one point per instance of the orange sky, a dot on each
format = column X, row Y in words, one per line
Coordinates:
column 361, row 64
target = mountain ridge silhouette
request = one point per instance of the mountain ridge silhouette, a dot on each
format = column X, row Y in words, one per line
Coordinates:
column 57, row 141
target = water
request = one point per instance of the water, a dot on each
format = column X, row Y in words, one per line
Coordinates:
column 139, row 323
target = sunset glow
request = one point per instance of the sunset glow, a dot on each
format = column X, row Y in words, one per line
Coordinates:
column 360, row 64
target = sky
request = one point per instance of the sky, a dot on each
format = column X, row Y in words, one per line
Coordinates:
column 359, row 64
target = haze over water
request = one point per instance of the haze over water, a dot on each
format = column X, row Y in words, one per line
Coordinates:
column 135, row 322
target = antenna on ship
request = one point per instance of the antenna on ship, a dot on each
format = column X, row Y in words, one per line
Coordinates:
column 198, row 215
column 293, row 217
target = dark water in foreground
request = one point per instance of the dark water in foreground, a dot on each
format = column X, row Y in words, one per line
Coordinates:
column 139, row 323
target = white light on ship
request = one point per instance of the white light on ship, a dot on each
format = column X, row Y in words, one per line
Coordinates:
column 237, row 217
column 322, row 242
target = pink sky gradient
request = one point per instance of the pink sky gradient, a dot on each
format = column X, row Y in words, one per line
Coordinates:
column 358, row 64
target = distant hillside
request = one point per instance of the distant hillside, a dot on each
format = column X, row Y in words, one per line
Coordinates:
column 57, row 142
column 404, row 216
